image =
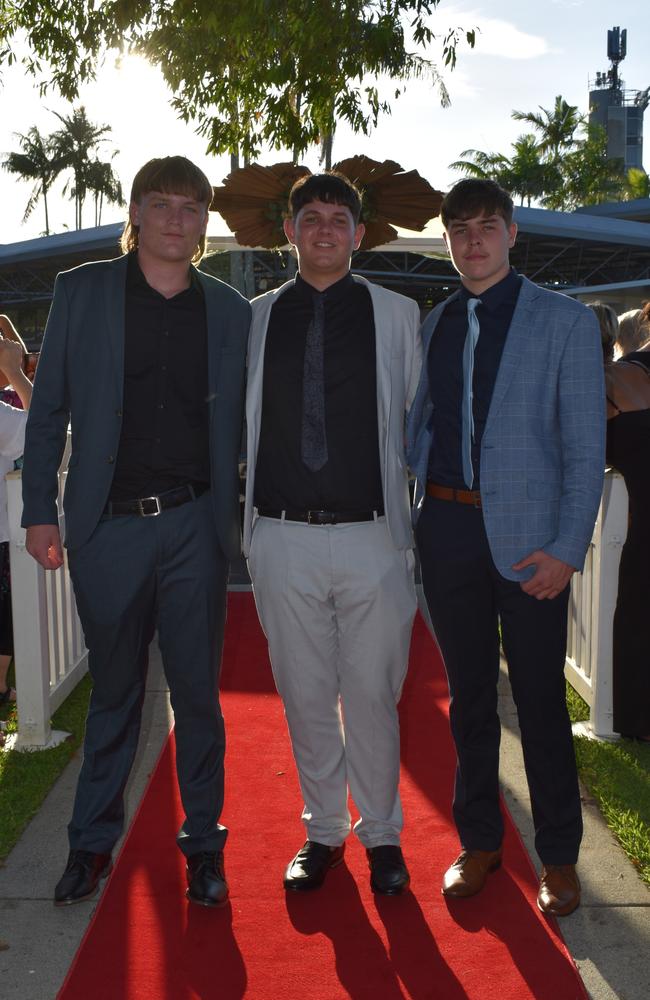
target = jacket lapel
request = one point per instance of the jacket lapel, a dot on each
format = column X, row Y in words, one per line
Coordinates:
column 521, row 326
column 114, row 313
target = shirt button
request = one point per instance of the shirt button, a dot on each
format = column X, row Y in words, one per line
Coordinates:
column 111, row 459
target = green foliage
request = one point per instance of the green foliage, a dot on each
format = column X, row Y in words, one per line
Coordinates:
column 618, row 777
column 562, row 166
column 637, row 184
column 263, row 72
column 26, row 778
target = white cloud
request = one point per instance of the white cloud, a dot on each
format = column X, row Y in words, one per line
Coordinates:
column 494, row 36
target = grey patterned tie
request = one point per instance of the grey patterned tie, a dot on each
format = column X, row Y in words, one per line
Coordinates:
column 471, row 339
column 313, row 443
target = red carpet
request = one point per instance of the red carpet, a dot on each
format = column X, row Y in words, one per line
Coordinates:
column 147, row 943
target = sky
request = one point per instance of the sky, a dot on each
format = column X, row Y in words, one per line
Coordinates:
column 526, row 53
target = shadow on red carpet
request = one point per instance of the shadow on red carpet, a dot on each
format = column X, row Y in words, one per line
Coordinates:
column 146, row 943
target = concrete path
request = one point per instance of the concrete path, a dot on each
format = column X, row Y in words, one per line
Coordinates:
column 609, row 936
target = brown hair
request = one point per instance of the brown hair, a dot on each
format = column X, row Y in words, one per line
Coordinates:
column 330, row 187
column 169, row 175
column 474, row 196
column 608, row 322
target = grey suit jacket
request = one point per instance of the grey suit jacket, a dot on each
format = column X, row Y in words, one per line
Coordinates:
column 543, row 447
column 80, row 380
column 398, row 359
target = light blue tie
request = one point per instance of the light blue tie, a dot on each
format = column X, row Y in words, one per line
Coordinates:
column 473, row 330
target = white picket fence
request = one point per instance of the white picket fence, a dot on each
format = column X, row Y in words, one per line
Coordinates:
column 49, row 652
column 591, row 612
column 51, row 658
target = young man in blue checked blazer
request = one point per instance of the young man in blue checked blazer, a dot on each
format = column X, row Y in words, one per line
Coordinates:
column 506, row 439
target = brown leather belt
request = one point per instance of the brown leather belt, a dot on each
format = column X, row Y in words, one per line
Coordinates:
column 471, row 497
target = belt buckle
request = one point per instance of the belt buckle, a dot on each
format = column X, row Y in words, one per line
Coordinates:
column 315, row 517
column 476, row 502
column 149, row 513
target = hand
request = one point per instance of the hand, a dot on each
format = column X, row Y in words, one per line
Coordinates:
column 11, row 357
column 550, row 577
column 43, row 543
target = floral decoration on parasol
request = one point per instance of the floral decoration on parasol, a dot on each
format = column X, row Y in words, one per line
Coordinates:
column 253, row 200
column 390, row 195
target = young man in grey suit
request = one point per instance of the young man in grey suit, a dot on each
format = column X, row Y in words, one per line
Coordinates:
column 506, row 438
column 145, row 357
column 333, row 366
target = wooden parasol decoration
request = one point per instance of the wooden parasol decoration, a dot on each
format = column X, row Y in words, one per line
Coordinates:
column 390, row 195
column 253, row 200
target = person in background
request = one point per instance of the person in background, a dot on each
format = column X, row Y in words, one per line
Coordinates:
column 627, row 385
column 633, row 332
column 12, row 439
column 145, row 357
column 506, row 440
column 642, row 353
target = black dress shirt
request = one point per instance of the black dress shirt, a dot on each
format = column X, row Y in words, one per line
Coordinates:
column 164, row 438
column 351, row 477
column 445, row 369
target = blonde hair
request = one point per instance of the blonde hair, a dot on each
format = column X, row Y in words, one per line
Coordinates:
column 169, row 175
column 633, row 331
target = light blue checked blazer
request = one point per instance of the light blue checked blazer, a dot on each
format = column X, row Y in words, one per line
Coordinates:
column 543, row 447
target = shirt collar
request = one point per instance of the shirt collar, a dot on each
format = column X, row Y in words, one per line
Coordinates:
column 135, row 276
column 332, row 293
column 505, row 290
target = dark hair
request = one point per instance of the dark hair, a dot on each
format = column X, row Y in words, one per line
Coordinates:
column 473, row 196
column 608, row 322
column 169, row 175
column 331, row 187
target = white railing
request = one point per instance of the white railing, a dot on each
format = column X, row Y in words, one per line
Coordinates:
column 49, row 652
column 591, row 612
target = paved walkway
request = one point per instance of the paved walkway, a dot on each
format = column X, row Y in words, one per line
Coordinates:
column 609, row 935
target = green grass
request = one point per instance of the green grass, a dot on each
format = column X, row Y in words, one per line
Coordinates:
column 618, row 777
column 26, row 778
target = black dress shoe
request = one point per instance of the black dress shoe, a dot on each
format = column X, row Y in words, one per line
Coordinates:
column 81, row 877
column 206, row 879
column 388, row 872
column 310, row 866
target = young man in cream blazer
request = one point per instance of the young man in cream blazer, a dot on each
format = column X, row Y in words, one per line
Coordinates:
column 333, row 367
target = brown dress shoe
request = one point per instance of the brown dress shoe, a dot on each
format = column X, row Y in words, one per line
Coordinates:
column 469, row 872
column 559, row 890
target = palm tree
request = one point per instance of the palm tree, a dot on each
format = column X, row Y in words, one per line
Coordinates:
column 38, row 161
column 75, row 143
column 104, row 184
column 485, row 166
column 556, row 128
column 530, row 176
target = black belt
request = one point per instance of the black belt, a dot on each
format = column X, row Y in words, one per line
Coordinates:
column 323, row 516
column 152, row 506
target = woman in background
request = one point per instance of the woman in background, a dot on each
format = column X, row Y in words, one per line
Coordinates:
column 628, row 450
column 12, row 439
